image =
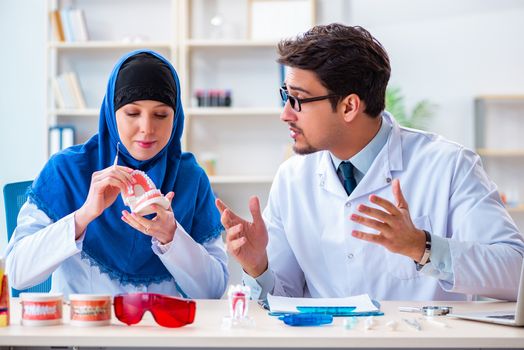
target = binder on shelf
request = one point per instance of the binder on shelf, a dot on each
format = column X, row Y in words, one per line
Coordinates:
column 61, row 137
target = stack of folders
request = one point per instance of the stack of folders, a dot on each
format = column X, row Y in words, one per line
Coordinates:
column 61, row 137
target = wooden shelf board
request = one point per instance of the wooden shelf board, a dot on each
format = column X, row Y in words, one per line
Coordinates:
column 500, row 97
column 518, row 209
column 490, row 152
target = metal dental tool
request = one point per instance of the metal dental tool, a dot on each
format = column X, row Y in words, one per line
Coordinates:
column 116, row 157
column 428, row 310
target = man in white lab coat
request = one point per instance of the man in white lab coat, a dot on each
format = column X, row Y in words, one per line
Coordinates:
column 368, row 206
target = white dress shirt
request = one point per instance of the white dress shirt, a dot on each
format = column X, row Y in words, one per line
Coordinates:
column 40, row 247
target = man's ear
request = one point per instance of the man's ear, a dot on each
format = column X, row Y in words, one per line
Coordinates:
column 351, row 106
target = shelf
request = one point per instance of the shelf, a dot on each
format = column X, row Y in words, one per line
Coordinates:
column 500, row 97
column 490, row 152
column 115, row 45
column 240, row 179
column 207, row 43
column 92, row 112
column 228, row 111
column 519, row 209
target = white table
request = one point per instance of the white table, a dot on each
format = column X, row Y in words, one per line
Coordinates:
column 269, row 332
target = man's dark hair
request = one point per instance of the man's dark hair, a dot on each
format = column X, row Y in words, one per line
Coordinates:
column 347, row 60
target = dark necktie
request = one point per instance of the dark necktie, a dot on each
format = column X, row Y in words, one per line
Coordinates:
column 346, row 168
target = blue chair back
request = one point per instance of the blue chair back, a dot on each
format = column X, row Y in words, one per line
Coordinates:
column 15, row 195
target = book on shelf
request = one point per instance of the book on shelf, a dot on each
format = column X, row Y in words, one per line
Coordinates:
column 78, row 23
column 77, row 90
column 69, row 25
column 56, row 26
column 66, row 25
column 59, row 98
column 61, row 137
column 67, row 91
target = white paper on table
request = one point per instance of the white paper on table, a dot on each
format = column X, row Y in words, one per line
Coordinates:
column 362, row 303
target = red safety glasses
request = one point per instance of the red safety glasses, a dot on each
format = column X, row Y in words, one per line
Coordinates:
column 167, row 311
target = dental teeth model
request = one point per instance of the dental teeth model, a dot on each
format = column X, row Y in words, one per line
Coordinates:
column 140, row 196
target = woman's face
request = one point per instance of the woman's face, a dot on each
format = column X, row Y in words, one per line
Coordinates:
column 145, row 127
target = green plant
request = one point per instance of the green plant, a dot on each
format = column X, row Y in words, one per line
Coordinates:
column 419, row 116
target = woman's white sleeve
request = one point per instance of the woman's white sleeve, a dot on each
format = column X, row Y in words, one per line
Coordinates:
column 38, row 246
column 200, row 270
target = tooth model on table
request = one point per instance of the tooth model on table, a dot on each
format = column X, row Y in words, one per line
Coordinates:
column 140, row 196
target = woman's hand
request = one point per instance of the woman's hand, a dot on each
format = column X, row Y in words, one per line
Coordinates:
column 104, row 189
column 162, row 226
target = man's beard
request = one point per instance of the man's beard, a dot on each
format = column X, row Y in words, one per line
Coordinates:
column 307, row 149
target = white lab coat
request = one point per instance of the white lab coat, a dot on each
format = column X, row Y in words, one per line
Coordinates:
column 311, row 250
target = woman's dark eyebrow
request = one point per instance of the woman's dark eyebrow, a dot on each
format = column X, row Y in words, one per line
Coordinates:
column 161, row 104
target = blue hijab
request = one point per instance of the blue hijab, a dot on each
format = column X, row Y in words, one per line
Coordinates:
column 119, row 250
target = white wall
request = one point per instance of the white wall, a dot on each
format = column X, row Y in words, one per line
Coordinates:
column 449, row 51
column 22, row 100
column 444, row 50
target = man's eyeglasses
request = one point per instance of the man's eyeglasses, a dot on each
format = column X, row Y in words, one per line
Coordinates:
column 167, row 311
column 296, row 103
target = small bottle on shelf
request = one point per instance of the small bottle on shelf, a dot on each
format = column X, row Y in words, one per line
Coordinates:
column 200, row 98
column 228, row 99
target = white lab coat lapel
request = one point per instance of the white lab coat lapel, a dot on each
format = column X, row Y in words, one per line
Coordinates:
column 379, row 174
column 388, row 160
column 328, row 178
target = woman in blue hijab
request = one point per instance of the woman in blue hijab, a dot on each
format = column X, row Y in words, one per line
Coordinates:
column 75, row 224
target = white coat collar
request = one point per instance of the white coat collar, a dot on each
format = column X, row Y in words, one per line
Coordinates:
column 379, row 175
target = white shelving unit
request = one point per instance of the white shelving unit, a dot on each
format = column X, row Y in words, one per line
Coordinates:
column 499, row 126
column 247, row 140
column 109, row 38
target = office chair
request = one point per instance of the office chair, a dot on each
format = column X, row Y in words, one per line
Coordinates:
column 15, row 195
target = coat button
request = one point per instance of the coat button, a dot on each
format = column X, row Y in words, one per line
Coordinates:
column 348, row 204
column 388, row 180
column 350, row 256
